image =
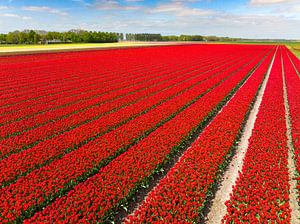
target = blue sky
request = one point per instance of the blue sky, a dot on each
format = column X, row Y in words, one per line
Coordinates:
column 236, row 18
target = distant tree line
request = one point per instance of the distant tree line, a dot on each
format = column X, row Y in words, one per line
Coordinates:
column 183, row 38
column 76, row 36
column 143, row 37
column 159, row 37
column 82, row 36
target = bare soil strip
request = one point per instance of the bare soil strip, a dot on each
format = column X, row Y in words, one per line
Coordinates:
column 293, row 198
column 218, row 208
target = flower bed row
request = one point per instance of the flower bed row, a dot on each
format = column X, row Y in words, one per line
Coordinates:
column 94, row 87
column 158, row 108
column 39, row 89
column 86, row 76
column 79, row 99
column 293, row 93
column 112, row 100
column 117, row 181
column 261, row 193
column 84, row 68
column 51, row 75
column 95, row 119
column 181, row 194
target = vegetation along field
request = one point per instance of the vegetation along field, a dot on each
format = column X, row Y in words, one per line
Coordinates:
column 194, row 133
column 295, row 47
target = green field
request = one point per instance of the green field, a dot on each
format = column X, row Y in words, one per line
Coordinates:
column 295, row 48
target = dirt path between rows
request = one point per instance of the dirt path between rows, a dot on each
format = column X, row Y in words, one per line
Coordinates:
column 293, row 196
column 218, row 208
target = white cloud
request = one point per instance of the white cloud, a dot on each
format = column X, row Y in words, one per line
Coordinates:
column 45, row 9
column 2, row 7
column 134, row 0
column 177, row 8
column 184, row 1
column 83, row 2
column 270, row 2
column 283, row 8
column 12, row 15
column 113, row 5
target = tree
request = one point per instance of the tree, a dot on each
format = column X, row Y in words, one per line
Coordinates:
column 3, row 38
column 22, row 38
column 212, row 38
column 36, row 38
column 12, row 37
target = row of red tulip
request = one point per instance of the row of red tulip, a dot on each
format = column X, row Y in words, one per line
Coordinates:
column 85, row 69
column 85, row 94
column 81, row 75
column 127, row 173
column 293, row 92
column 90, row 118
column 52, row 85
column 157, row 89
column 88, row 88
column 123, row 96
column 261, row 193
column 163, row 105
column 30, row 72
column 67, row 87
column 181, row 194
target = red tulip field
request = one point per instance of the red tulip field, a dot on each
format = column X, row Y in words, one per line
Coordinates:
column 145, row 135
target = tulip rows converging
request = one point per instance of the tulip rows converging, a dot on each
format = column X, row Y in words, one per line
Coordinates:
column 140, row 161
column 262, row 189
column 125, row 99
column 89, row 88
column 293, row 91
column 61, row 144
column 86, row 159
column 94, row 101
column 182, row 193
column 82, row 134
column 97, row 83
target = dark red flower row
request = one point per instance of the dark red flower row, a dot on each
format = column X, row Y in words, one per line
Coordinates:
column 45, row 73
column 179, row 197
column 32, row 189
column 91, row 99
column 55, row 74
column 89, row 86
column 293, row 92
column 58, row 145
column 92, row 199
column 91, row 109
column 77, row 74
column 261, row 193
